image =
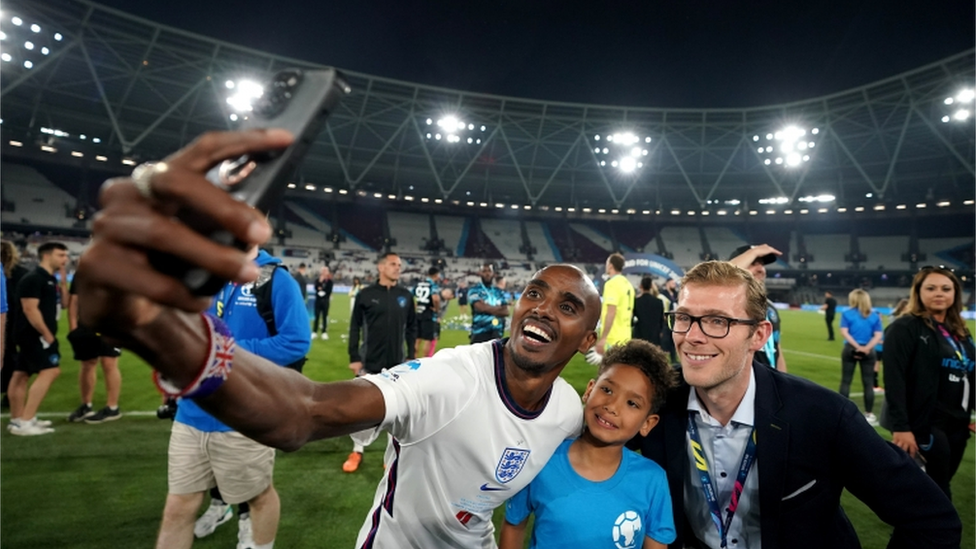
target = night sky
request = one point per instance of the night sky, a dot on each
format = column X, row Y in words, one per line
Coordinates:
column 675, row 53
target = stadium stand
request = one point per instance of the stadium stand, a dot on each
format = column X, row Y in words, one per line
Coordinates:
column 723, row 240
column 363, row 225
column 505, row 235
column 940, row 250
column 684, row 243
column 315, row 221
column 478, row 244
column 453, row 231
column 411, row 230
column 588, row 232
column 884, row 252
column 542, row 240
column 34, row 200
column 634, row 236
column 828, row 250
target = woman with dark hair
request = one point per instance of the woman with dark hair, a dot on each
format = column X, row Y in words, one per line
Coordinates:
column 928, row 355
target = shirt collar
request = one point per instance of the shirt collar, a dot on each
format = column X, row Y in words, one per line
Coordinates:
column 745, row 414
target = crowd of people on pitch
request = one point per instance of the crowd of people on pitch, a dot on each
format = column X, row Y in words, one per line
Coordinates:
column 31, row 308
column 730, row 450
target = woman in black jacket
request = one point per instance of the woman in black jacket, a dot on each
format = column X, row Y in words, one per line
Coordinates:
column 928, row 357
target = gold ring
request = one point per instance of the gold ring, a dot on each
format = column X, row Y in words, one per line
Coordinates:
column 142, row 177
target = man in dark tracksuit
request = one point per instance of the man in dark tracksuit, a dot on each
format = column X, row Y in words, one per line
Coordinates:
column 386, row 313
column 323, row 295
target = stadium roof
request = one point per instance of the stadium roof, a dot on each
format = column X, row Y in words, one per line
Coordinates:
column 144, row 89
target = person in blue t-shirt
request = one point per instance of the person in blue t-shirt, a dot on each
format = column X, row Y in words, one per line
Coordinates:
column 592, row 493
column 204, row 453
column 488, row 307
column 861, row 328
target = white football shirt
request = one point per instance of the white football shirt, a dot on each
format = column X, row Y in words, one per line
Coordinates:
column 461, row 446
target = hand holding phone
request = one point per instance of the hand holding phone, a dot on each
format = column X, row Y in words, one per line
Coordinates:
column 296, row 100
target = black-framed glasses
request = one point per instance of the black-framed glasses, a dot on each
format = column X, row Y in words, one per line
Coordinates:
column 711, row 325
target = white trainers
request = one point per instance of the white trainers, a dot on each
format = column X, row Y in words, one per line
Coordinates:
column 215, row 515
column 245, row 537
column 872, row 420
column 29, row 428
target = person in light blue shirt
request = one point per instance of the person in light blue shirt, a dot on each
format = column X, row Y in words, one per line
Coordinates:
column 862, row 331
column 593, row 493
column 204, row 453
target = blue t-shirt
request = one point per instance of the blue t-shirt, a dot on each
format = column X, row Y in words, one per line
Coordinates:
column 861, row 329
column 3, row 292
column 237, row 306
column 484, row 322
column 571, row 511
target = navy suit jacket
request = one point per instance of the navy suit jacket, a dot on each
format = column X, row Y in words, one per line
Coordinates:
column 811, row 443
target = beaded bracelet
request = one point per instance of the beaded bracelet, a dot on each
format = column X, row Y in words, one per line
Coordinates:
column 215, row 369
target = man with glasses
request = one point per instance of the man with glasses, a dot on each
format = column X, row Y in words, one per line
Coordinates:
column 756, row 458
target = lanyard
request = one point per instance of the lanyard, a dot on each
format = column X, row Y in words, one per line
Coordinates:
column 959, row 349
column 748, row 457
column 967, row 364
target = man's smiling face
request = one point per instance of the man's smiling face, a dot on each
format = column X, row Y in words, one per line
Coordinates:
column 554, row 319
column 708, row 362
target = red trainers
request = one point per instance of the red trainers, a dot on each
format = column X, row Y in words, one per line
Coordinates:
column 352, row 462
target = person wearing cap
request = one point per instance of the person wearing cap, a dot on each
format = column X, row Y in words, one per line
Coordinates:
column 754, row 259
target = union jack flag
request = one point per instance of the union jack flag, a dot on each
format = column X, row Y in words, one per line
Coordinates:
column 223, row 356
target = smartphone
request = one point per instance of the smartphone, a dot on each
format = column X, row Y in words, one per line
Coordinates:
column 297, row 100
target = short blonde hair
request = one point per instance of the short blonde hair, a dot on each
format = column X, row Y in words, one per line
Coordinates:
column 723, row 273
column 860, row 300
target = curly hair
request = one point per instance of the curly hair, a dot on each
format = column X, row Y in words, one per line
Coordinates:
column 8, row 256
column 650, row 360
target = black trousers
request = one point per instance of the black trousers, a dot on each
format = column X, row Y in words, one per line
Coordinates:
column 945, row 454
column 847, row 363
column 321, row 314
column 830, row 327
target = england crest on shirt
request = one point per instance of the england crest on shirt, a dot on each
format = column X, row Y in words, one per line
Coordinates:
column 511, row 464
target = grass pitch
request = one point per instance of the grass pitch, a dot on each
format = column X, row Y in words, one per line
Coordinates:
column 97, row 486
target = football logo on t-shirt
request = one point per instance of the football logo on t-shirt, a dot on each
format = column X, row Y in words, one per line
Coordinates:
column 626, row 530
column 511, row 464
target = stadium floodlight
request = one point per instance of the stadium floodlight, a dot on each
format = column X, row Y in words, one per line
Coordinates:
column 245, row 93
column 451, row 128
column 960, row 103
column 774, row 200
column 624, row 150
column 818, row 198
column 786, row 147
column 33, row 41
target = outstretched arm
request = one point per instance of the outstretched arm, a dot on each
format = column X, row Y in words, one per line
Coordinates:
column 123, row 297
column 748, row 257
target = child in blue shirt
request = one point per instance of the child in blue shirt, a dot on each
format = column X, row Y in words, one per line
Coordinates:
column 593, row 493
